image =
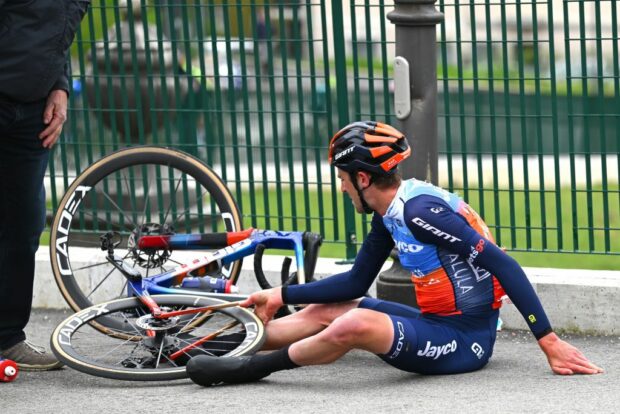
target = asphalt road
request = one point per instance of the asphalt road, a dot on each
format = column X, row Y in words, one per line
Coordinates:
column 516, row 380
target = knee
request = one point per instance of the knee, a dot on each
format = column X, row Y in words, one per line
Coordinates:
column 318, row 313
column 349, row 329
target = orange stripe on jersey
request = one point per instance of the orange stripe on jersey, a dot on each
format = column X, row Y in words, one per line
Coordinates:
column 498, row 294
column 435, row 293
column 476, row 222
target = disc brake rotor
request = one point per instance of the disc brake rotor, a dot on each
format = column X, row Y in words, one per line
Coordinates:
column 150, row 323
column 149, row 258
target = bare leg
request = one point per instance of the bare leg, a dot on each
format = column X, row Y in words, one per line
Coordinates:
column 307, row 322
column 357, row 329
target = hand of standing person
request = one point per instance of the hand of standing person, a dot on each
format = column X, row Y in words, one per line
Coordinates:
column 54, row 117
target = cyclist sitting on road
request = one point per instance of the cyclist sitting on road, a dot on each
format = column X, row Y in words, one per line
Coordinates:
column 459, row 275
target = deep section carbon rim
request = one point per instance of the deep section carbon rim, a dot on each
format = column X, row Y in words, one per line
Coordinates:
column 144, row 348
column 132, row 192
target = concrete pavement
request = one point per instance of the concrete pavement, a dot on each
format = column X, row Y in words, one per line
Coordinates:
column 517, row 380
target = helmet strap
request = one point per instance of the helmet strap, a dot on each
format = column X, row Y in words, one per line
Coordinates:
column 360, row 193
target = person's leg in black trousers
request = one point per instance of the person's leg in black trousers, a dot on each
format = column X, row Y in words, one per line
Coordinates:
column 23, row 162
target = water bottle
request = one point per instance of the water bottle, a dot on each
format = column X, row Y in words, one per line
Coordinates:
column 210, row 284
column 8, row 370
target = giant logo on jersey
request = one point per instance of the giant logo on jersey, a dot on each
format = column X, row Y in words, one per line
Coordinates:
column 418, row 221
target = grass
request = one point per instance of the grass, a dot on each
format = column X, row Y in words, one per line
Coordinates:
column 507, row 214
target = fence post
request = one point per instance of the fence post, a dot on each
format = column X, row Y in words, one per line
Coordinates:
column 342, row 100
column 416, row 42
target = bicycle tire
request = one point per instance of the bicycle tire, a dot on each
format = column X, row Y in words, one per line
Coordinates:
column 116, row 182
column 88, row 351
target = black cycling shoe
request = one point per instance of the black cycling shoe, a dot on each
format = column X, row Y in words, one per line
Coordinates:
column 207, row 370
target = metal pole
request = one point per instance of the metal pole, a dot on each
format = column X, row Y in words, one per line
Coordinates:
column 416, row 41
column 416, row 45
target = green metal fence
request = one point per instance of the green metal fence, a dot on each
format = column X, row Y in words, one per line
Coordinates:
column 529, row 107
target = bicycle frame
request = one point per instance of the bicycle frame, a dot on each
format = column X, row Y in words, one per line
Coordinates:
column 235, row 245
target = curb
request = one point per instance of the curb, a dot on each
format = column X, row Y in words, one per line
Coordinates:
column 576, row 300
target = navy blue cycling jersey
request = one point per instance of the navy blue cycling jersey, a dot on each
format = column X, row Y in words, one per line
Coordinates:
column 456, row 267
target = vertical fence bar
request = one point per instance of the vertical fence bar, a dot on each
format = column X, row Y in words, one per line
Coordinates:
column 298, row 45
column 477, row 109
column 122, row 76
column 370, row 74
column 554, row 126
column 571, row 128
column 461, row 96
column 342, row 97
column 601, row 118
column 274, row 118
column 232, row 107
column 284, row 44
column 508, row 120
column 317, row 136
column 492, row 119
column 357, row 102
column 134, row 71
column 384, row 59
column 524, row 133
column 539, row 133
column 259, row 46
column 616, row 76
column 329, row 118
column 163, row 78
column 445, row 76
column 246, row 116
column 587, row 143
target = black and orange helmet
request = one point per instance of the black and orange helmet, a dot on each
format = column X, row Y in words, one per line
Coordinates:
column 368, row 146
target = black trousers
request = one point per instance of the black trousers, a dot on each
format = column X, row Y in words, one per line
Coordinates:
column 23, row 162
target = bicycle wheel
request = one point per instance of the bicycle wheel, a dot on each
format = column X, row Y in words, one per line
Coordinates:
column 132, row 192
column 143, row 348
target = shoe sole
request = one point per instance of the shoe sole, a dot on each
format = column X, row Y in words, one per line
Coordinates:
column 31, row 368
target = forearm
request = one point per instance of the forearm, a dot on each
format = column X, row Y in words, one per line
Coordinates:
column 337, row 288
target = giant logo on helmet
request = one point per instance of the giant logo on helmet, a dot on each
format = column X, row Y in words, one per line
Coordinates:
column 343, row 153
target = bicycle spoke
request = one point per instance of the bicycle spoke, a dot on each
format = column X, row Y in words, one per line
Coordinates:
column 172, row 197
column 91, row 266
column 106, row 195
column 126, row 181
column 103, row 221
column 122, row 344
column 159, row 354
column 123, row 289
column 101, row 282
column 194, row 318
column 173, row 261
column 147, row 200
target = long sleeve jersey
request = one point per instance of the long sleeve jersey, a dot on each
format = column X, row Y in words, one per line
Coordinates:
column 455, row 265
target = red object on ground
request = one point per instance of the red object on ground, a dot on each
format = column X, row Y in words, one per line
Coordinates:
column 8, row 370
